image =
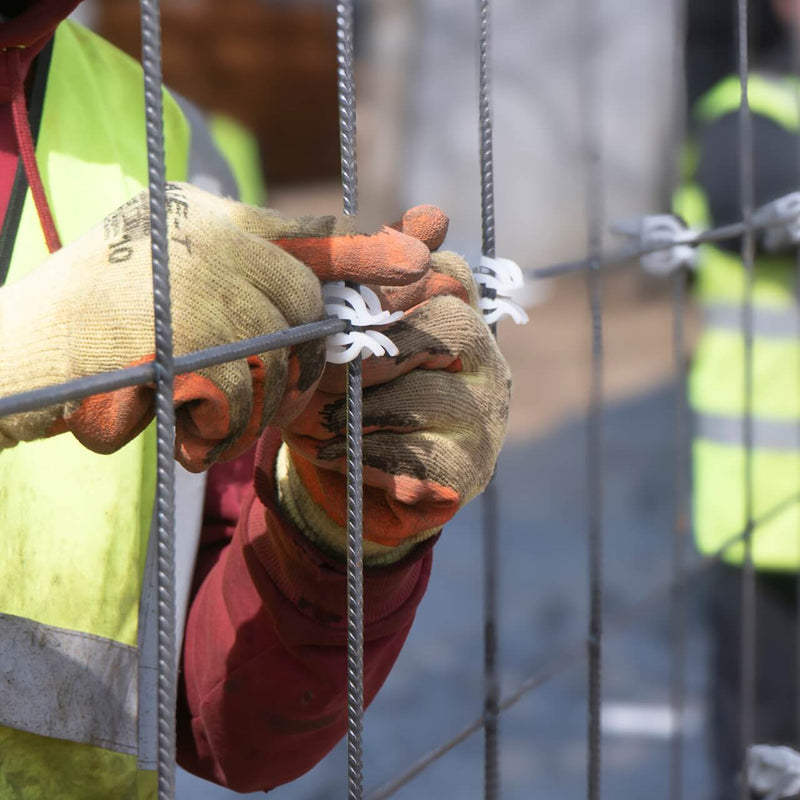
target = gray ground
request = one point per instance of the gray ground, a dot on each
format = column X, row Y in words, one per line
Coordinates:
column 436, row 685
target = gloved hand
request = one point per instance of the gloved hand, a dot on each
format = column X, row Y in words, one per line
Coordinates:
column 434, row 419
column 236, row 272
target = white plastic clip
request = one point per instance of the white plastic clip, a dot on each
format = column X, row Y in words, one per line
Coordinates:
column 661, row 230
column 363, row 310
column 780, row 220
column 498, row 278
column 773, row 770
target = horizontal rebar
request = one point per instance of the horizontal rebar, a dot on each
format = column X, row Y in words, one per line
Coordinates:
column 577, row 651
column 720, row 234
column 145, row 373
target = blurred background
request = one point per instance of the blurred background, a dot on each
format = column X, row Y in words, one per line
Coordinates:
column 270, row 64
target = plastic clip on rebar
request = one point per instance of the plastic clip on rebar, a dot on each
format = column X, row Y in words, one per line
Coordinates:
column 669, row 238
column 773, row 771
column 499, row 278
column 362, row 309
column 780, row 221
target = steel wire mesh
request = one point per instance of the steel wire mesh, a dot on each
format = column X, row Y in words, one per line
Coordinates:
column 162, row 371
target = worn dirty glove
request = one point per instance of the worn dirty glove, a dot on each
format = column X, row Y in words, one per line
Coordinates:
column 236, row 272
column 434, row 419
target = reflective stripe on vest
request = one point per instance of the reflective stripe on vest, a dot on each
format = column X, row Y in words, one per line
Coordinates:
column 767, row 434
column 718, row 369
column 75, row 524
column 771, row 323
column 40, row 661
column 773, row 97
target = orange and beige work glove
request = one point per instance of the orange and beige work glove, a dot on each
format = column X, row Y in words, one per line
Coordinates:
column 434, row 418
column 236, row 272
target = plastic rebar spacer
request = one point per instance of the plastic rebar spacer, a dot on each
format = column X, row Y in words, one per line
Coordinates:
column 498, row 278
column 780, row 221
column 773, row 770
column 362, row 309
column 669, row 238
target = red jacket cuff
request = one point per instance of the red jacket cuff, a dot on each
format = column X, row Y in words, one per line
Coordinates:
column 311, row 580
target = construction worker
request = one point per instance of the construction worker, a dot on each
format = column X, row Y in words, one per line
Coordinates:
column 711, row 197
column 262, row 686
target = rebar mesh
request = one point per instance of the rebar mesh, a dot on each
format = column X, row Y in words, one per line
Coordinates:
column 165, row 367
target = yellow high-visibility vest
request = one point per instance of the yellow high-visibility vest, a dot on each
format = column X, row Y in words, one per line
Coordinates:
column 240, row 148
column 74, row 526
column 717, row 379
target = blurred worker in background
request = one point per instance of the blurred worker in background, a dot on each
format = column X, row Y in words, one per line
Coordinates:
column 710, row 197
column 262, row 681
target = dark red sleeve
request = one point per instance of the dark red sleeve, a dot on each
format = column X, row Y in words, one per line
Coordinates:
column 263, row 689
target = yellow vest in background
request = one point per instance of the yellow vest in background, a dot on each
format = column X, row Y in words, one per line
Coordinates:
column 717, row 379
column 240, row 148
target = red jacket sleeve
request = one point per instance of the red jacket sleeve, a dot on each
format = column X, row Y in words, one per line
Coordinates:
column 263, row 685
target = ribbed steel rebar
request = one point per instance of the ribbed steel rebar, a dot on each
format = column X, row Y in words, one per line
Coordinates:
column 355, row 585
column 165, row 410
column 486, row 132
column 490, row 501
column 189, row 362
column 747, row 193
column 355, row 490
column 680, row 535
column 630, row 255
column 796, row 71
column 347, row 105
column 681, row 483
column 590, row 37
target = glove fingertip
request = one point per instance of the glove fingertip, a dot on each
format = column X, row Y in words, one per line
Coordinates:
column 427, row 223
column 403, row 259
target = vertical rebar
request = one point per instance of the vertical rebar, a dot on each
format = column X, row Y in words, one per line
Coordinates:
column 589, row 43
column 681, row 485
column 347, row 105
column 491, row 771
column 355, row 489
column 486, row 134
column 490, row 504
column 165, row 410
column 795, row 73
column 746, row 189
column 680, row 531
